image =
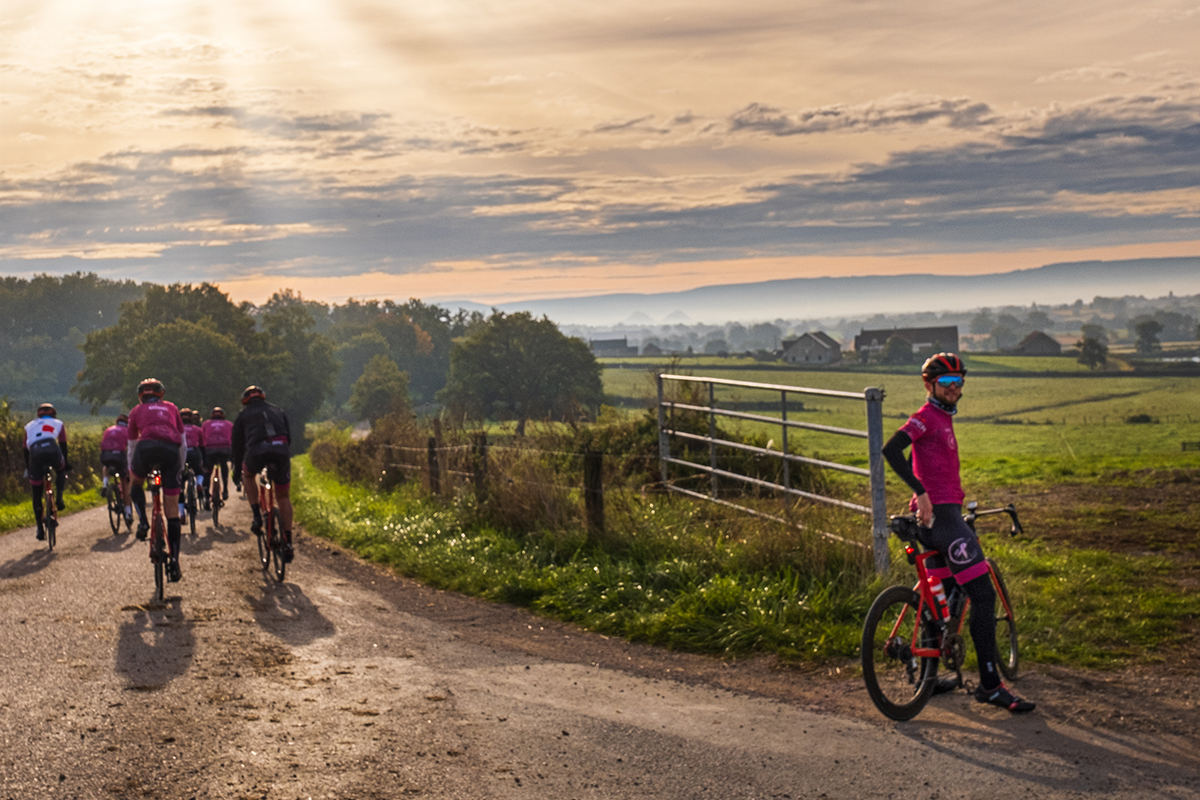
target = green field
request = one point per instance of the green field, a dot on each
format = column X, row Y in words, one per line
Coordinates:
column 1034, row 423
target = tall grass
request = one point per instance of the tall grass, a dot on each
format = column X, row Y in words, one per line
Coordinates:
column 694, row 576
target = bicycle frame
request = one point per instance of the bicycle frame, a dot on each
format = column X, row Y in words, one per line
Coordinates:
column 929, row 603
column 49, row 509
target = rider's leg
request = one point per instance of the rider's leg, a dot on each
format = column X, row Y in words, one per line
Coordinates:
column 60, row 485
column 983, row 628
column 251, row 488
column 36, row 489
column 283, row 498
column 139, row 499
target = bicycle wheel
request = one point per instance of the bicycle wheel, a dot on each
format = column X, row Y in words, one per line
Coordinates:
column 899, row 683
column 159, row 557
column 264, row 550
column 191, row 504
column 50, row 518
column 216, row 508
column 277, row 547
column 116, row 514
column 1006, row 627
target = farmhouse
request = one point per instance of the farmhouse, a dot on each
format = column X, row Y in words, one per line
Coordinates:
column 612, row 347
column 929, row 339
column 816, row 347
column 1038, row 344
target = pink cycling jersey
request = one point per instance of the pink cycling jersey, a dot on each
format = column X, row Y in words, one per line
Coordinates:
column 935, row 454
column 195, row 436
column 158, row 420
column 218, row 433
column 116, row 437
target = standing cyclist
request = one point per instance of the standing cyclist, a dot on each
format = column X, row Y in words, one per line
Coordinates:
column 262, row 437
column 933, row 475
column 46, row 447
column 114, row 447
column 218, row 446
column 156, row 440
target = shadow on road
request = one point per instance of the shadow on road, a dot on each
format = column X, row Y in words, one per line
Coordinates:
column 28, row 564
column 154, row 645
column 1071, row 759
column 284, row 611
column 114, row 544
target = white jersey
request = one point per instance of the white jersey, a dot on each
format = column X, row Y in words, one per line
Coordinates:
column 45, row 429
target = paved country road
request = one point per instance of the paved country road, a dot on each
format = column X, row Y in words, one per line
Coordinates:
column 348, row 683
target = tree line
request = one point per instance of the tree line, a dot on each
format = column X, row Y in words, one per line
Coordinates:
column 360, row 359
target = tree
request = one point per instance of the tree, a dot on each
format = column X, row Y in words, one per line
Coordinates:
column 1004, row 337
column 382, row 389
column 983, row 322
column 1147, row 336
column 199, row 366
column 1095, row 331
column 1093, row 353
column 897, row 351
column 300, row 361
column 352, row 358
column 514, row 366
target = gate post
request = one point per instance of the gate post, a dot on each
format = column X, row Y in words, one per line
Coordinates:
column 593, row 492
column 879, row 515
column 664, row 448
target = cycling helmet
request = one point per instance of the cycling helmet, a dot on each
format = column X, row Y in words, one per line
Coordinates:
column 47, row 410
column 943, row 364
column 150, row 387
column 122, row 419
column 217, row 413
column 186, row 413
column 252, row 392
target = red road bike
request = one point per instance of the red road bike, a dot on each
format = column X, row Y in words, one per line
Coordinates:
column 908, row 632
column 158, row 534
column 214, row 492
column 270, row 538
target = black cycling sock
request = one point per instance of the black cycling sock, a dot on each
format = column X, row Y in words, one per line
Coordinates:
column 174, row 534
column 37, row 505
column 139, row 502
column 60, row 483
column 983, row 628
column 257, row 512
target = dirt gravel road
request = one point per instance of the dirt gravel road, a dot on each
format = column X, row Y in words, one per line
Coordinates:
column 346, row 682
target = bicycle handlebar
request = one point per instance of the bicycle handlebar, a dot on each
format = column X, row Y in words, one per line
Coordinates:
column 905, row 526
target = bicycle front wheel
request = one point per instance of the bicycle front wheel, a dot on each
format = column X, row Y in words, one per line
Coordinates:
column 1006, row 627
column 159, row 557
column 191, row 505
column 898, row 682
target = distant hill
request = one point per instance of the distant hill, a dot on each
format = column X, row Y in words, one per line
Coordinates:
column 822, row 298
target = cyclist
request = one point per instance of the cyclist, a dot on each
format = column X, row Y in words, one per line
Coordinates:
column 113, row 446
column 46, row 447
column 218, row 446
column 262, row 436
column 193, row 436
column 933, row 475
column 156, row 440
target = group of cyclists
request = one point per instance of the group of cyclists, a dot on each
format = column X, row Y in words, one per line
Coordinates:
column 157, row 435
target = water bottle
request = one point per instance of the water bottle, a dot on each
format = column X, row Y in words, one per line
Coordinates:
column 939, row 593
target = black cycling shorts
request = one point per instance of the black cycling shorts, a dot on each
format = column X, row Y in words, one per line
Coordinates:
column 115, row 460
column 219, row 455
column 277, row 456
column 44, row 455
column 959, row 554
column 149, row 454
column 194, row 461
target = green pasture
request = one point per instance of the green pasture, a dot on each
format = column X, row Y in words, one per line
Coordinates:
column 1016, row 429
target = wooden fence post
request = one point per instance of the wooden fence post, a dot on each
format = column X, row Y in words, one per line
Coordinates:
column 593, row 492
column 481, row 459
column 435, row 484
column 442, row 456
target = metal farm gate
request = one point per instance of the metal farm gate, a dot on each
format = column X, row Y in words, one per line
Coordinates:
column 871, row 397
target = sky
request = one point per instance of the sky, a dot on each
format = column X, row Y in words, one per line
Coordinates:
column 498, row 151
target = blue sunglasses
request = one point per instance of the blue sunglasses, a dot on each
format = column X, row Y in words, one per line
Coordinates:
column 950, row 380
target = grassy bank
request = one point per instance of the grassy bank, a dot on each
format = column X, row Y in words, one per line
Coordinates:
column 688, row 576
column 18, row 513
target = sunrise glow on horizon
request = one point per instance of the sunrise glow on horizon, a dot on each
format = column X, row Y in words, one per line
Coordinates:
column 459, row 150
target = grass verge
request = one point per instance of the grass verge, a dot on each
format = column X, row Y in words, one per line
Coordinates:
column 684, row 576
column 19, row 513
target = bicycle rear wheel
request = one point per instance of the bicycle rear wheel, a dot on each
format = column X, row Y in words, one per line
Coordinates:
column 277, row 546
column 159, row 557
column 898, row 682
column 50, row 516
column 1006, row 627
column 116, row 514
column 191, row 503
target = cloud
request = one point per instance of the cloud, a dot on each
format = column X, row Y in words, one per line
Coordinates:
column 891, row 112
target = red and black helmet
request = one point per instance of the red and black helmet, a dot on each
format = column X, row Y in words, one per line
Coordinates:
column 151, row 386
column 217, row 413
column 252, row 392
column 47, row 410
column 943, row 364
